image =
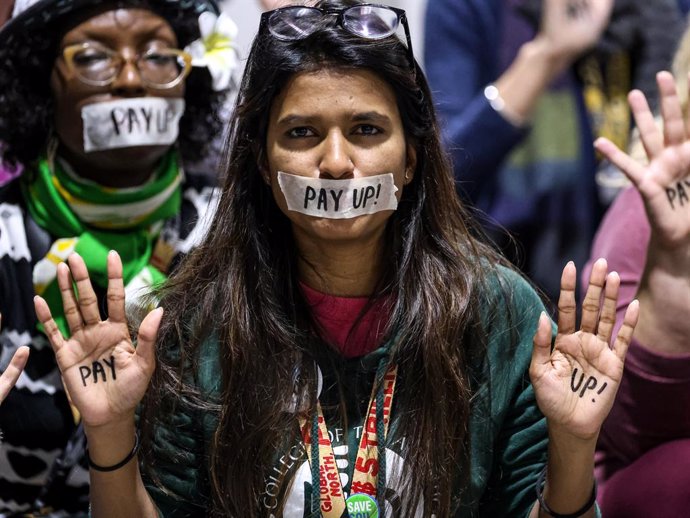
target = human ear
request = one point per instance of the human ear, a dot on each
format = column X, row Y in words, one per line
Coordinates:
column 265, row 175
column 262, row 165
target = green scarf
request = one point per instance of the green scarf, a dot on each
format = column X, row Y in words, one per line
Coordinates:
column 91, row 219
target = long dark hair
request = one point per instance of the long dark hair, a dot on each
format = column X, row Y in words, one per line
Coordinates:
column 240, row 288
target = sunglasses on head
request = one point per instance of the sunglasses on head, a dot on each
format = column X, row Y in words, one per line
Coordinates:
column 369, row 21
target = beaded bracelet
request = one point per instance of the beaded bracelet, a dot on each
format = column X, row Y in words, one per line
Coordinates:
column 120, row 464
column 540, row 497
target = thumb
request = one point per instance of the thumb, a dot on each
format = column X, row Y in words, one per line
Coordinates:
column 630, row 167
column 146, row 338
column 541, row 348
column 13, row 371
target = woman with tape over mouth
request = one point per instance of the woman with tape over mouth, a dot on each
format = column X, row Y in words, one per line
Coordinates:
column 104, row 105
column 321, row 356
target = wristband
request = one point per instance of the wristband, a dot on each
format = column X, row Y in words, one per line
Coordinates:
column 542, row 504
column 114, row 467
column 499, row 105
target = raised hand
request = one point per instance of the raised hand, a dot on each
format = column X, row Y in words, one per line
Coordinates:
column 105, row 375
column 576, row 383
column 570, row 27
column 664, row 182
column 11, row 374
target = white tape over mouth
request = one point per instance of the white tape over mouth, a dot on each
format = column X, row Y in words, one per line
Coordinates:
column 338, row 199
column 141, row 121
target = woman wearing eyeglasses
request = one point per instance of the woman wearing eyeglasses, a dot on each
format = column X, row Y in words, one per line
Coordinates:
column 100, row 104
column 340, row 344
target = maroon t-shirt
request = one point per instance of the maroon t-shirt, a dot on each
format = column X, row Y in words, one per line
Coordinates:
column 644, row 443
column 354, row 325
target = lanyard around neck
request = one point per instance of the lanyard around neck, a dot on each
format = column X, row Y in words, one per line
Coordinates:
column 364, row 488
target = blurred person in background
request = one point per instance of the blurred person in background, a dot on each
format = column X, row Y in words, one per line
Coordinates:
column 6, row 172
column 103, row 103
column 523, row 87
column 644, row 448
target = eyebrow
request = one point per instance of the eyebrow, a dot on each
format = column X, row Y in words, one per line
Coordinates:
column 292, row 119
column 370, row 116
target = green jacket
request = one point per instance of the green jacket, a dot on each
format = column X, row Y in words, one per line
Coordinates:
column 508, row 432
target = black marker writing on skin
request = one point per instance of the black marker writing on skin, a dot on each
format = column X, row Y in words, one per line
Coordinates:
column 590, row 384
column 97, row 370
column 679, row 193
column 572, row 10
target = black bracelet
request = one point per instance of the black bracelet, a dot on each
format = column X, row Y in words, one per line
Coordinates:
column 540, row 497
column 117, row 466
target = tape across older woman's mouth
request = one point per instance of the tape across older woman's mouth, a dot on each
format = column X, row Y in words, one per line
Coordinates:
column 338, row 199
column 141, row 121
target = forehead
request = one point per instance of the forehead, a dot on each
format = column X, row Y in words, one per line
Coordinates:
column 336, row 90
column 119, row 26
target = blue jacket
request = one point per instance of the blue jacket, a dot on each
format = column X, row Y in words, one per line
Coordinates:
column 539, row 181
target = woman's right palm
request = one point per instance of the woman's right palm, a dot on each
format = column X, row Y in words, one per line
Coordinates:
column 105, row 376
column 571, row 28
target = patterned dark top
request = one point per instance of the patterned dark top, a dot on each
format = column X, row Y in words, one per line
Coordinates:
column 39, row 430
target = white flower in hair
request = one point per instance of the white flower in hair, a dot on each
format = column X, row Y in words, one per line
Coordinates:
column 215, row 49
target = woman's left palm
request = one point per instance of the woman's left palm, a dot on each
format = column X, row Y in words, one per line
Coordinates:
column 576, row 382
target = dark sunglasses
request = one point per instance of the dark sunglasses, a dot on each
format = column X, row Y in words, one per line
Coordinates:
column 369, row 21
